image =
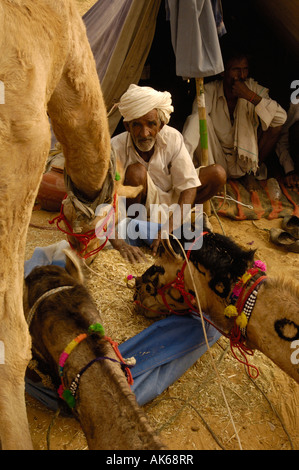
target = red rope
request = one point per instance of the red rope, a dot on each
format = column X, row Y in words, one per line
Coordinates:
column 178, row 283
column 117, row 352
column 85, row 238
column 237, row 342
column 235, row 335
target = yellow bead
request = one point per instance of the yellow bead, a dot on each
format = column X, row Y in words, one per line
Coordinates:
column 241, row 320
column 230, row 311
column 246, row 277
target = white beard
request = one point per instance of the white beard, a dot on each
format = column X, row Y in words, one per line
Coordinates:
column 145, row 146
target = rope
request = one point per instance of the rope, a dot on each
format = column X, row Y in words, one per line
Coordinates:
column 87, row 237
column 187, row 403
column 236, row 342
column 33, row 309
column 57, row 413
column 208, row 346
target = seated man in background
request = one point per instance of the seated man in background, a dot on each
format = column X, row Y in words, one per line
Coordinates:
column 243, row 122
column 287, row 148
column 154, row 155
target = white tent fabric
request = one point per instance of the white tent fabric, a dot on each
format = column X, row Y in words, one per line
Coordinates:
column 120, row 33
column 104, row 23
column 195, row 38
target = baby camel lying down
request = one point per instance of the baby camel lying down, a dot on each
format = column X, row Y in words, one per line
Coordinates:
column 245, row 304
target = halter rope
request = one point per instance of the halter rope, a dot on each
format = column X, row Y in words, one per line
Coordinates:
column 87, row 237
column 33, row 309
column 243, row 298
column 69, row 394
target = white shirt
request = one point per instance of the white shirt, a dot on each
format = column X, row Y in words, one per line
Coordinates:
column 170, row 168
column 222, row 132
column 282, row 147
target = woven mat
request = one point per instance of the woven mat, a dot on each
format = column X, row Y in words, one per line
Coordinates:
column 248, row 191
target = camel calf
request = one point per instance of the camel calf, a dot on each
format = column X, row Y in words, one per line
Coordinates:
column 245, row 304
column 103, row 402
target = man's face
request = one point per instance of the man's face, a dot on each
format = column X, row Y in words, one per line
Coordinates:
column 144, row 130
column 236, row 69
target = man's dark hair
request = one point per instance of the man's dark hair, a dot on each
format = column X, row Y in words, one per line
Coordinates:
column 232, row 49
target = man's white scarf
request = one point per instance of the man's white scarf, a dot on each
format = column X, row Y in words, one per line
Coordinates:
column 246, row 125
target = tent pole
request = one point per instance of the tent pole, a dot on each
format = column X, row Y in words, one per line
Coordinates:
column 203, row 131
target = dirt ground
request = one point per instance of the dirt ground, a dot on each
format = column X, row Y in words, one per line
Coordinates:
column 191, row 414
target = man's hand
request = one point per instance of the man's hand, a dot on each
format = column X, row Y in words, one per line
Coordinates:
column 131, row 253
column 241, row 90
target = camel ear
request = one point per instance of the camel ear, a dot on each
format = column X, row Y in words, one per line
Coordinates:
column 126, row 191
column 129, row 191
column 169, row 251
column 74, row 266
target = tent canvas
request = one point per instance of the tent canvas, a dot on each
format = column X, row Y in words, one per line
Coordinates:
column 121, row 34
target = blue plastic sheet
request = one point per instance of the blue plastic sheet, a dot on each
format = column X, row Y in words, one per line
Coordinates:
column 164, row 351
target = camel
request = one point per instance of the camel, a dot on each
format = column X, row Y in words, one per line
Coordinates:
column 103, row 402
column 234, row 293
column 46, row 70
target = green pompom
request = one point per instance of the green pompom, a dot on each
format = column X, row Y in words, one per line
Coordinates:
column 69, row 398
column 97, row 328
column 117, row 176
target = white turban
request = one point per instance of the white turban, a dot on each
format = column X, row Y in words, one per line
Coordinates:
column 138, row 101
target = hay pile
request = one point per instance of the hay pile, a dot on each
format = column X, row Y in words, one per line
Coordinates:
column 191, row 414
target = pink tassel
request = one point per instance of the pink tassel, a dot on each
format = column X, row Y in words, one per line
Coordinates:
column 259, row 264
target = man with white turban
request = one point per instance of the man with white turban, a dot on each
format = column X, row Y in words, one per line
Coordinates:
column 154, row 155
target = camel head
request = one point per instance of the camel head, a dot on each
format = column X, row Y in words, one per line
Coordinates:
column 86, row 367
column 234, row 293
column 212, row 270
column 90, row 224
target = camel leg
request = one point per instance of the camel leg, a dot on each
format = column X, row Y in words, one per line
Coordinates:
column 78, row 115
column 17, row 197
column 14, row 429
column 24, row 146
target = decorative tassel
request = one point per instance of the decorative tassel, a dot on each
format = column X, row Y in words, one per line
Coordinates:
column 230, row 311
column 246, row 277
column 259, row 264
column 69, row 398
column 96, row 328
column 129, row 278
column 241, row 320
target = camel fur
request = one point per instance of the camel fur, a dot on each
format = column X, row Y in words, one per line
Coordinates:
column 92, row 217
column 46, row 69
column 105, row 405
column 215, row 268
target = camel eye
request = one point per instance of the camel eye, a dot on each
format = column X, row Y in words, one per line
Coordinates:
column 149, row 289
